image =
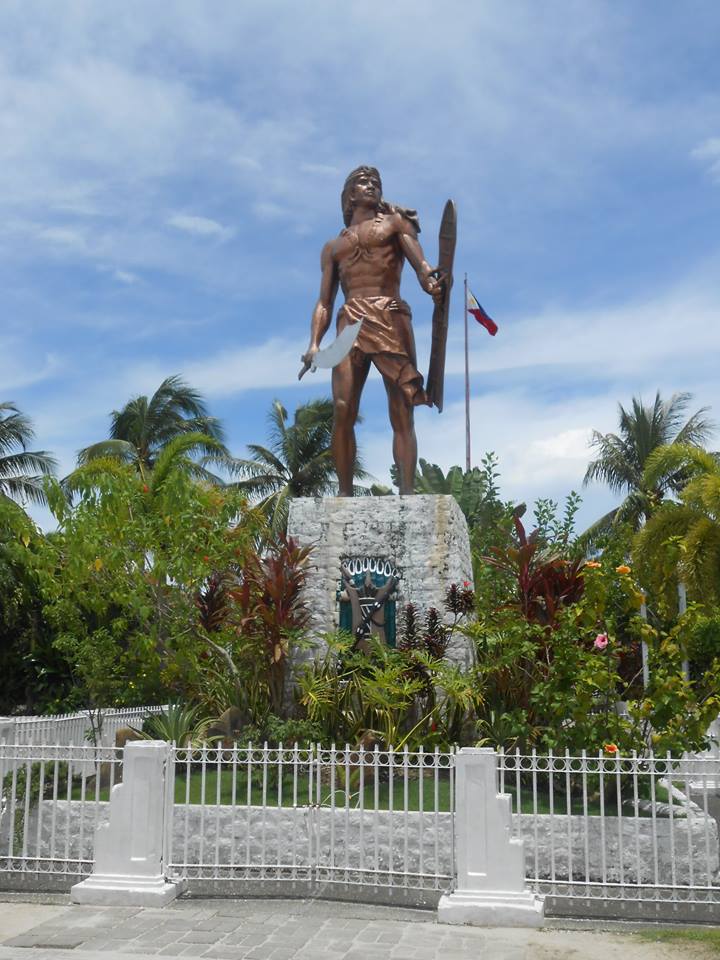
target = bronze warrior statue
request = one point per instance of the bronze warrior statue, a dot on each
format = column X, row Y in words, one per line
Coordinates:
column 366, row 260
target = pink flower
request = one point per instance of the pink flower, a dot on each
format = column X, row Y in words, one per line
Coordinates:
column 601, row 641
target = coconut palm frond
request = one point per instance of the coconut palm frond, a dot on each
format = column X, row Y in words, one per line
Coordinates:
column 122, row 450
column 675, row 460
column 21, row 470
column 26, row 489
column 628, row 463
column 178, row 453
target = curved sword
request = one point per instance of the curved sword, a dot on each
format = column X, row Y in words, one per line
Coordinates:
column 335, row 352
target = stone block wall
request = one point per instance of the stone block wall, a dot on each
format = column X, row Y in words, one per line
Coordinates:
column 297, row 837
column 424, row 537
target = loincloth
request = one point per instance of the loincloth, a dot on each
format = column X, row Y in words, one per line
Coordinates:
column 386, row 340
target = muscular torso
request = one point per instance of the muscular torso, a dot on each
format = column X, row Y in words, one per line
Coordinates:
column 369, row 259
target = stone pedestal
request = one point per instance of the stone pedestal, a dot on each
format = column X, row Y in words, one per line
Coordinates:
column 129, row 849
column 490, row 888
column 424, row 538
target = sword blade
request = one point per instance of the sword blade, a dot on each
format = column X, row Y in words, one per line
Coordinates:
column 339, row 348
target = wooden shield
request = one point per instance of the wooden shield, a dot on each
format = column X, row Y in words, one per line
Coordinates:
column 436, row 373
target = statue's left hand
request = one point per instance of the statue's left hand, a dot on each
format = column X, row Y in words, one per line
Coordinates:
column 435, row 286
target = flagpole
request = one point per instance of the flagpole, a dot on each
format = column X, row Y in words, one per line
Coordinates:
column 467, row 385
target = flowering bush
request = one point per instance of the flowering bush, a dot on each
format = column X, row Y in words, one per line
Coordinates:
column 556, row 684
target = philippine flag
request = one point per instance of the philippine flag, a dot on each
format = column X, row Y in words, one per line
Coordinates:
column 477, row 311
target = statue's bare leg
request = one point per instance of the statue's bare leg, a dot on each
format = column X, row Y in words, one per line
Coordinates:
column 404, row 441
column 348, row 380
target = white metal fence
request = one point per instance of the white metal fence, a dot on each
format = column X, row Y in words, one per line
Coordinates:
column 379, row 818
column 597, row 829
column 73, row 728
column 610, row 827
column 51, row 801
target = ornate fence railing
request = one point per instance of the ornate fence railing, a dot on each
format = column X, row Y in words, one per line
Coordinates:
column 630, row 828
column 52, row 799
column 600, row 832
column 339, row 816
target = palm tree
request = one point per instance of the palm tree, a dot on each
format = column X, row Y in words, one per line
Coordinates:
column 140, row 431
column 297, row 463
column 681, row 540
column 622, row 457
column 176, row 455
column 21, row 471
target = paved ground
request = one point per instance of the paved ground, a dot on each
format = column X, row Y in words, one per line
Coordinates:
column 293, row 930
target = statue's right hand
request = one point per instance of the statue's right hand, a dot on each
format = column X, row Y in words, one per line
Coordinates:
column 307, row 361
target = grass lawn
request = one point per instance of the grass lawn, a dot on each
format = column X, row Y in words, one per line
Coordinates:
column 219, row 789
column 709, row 937
column 560, row 800
column 277, row 795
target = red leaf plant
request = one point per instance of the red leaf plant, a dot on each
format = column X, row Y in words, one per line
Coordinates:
column 545, row 582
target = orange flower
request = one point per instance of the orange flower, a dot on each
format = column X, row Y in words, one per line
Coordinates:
column 593, row 563
column 622, row 569
column 610, row 748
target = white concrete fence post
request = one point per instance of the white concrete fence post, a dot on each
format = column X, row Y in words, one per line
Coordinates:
column 490, row 888
column 129, row 868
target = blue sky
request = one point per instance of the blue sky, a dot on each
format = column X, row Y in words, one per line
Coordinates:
column 171, row 171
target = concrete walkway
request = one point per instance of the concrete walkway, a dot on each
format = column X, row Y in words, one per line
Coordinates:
column 290, row 929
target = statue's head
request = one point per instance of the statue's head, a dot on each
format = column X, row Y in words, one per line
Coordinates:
column 361, row 178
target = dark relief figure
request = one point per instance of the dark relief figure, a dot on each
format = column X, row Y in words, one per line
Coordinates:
column 366, row 260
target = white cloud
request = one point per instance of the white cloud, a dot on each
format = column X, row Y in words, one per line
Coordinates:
column 272, row 364
column 126, row 277
column 91, row 124
column 709, row 153
column 200, row 226
column 674, row 329
column 269, row 210
column 567, row 447
column 246, row 163
column 63, row 237
column 21, row 367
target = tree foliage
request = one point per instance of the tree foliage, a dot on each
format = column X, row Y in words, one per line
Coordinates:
column 144, row 427
column 545, row 580
column 296, row 463
column 33, row 674
column 120, row 576
column 622, row 457
column 681, row 540
column 21, row 470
